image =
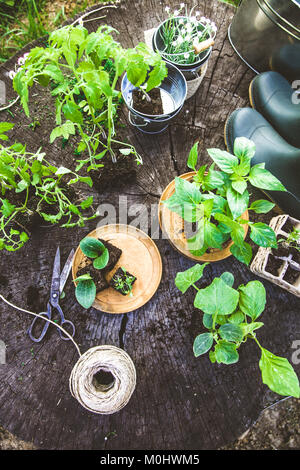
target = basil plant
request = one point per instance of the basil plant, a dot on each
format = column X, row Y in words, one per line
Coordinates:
column 231, row 318
column 218, row 200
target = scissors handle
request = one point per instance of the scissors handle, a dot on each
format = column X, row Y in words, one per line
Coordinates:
column 45, row 327
column 63, row 324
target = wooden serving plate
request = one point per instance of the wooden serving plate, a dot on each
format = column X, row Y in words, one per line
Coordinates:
column 173, row 226
column 140, row 256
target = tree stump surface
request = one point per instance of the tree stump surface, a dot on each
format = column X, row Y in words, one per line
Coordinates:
column 180, row 402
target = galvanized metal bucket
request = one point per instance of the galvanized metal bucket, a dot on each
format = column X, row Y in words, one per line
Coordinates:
column 262, row 30
column 173, row 92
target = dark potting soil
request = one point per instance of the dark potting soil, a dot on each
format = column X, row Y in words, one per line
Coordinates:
column 295, row 255
column 96, row 275
column 281, row 251
column 291, row 275
column 119, row 278
column 288, row 226
column 141, row 104
column 274, row 265
column 114, row 174
column 114, row 255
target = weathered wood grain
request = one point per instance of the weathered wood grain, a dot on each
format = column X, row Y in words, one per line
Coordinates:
column 180, row 402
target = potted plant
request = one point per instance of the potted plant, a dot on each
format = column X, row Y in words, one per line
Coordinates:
column 185, row 39
column 152, row 109
column 32, row 188
column 82, row 71
column 230, row 317
column 281, row 265
column 217, row 203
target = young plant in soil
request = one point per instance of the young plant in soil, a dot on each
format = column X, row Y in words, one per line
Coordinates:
column 122, row 281
column 230, row 316
column 86, row 287
column 292, row 240
column 216, row 200
column 82, row 71
column 31, row 185
column 183, row 32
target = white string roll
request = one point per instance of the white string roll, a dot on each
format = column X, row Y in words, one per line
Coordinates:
column 98, row 398
column 93, row 396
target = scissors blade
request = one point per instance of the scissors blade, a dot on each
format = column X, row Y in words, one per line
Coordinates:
column 66, row 271
column 56, row 274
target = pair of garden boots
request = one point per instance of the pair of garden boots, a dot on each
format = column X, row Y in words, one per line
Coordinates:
column 273, row 124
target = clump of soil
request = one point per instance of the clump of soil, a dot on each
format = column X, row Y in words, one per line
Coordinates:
column 96, row 274
column 114, row 255
column 292, row 275
column 122, row 281
column 274, row 265
column 141, row 104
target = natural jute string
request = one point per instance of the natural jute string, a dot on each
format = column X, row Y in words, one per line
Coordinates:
column 95, row 397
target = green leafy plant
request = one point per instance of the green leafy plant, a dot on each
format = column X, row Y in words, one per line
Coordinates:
column 124, row 283
column 95, row 249
column 85, row 291
column 292, row 239
column 216, row 200
column 231, row 318
column 30, row 184
column 182, row 32
column 82, row 71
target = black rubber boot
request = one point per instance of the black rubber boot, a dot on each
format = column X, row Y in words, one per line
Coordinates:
column 281, row 158
column 274, row 98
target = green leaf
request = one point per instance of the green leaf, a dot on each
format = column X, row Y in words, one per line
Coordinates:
column 193, row 157
column 202, row 344
column 5, row 126
column 91, row 247
column 186, row 278
column 249, row 328
column 239, row 184
column 72, row 112
column 231, row 332
column 236, row 317
column 187, row 192
column 228, row 278
column 244, row 148
column 7, row 208
column 157, row 74
column 213, row 237
column 226, row 353
column 85, row 293
column 217, row 298
column 207, row 321
column 238, row 203
column 225, row 161
column 87, row 202
column 101, row 261
column 252, row 299
column 242, row 252
column 278, row 374
column 83, row 277
column 126, row 151
column 261, row 206
column 263, row 179
column 263, row 235
column 62, row 171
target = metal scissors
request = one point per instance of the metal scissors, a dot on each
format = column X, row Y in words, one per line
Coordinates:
column 58, row 282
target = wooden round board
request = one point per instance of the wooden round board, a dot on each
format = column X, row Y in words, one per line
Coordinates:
column 140, row 256
column 173, row 226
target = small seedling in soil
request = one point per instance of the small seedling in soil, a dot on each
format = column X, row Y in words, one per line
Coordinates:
column 230, row 316
column 293, row 239
column 122, row 281
column 100, row 257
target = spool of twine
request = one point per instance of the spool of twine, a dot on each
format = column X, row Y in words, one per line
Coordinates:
column 94, row 396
